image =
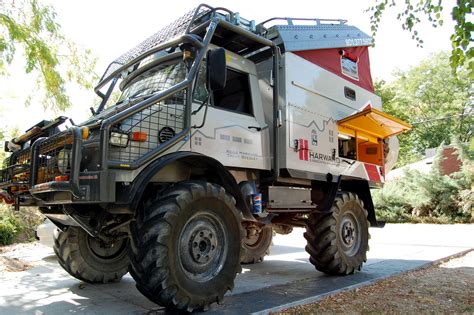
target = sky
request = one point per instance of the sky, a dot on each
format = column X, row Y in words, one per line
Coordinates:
column 110, row 28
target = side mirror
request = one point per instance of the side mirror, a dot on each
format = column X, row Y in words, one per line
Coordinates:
column 5, row 147
column 11, row 147
column 216, row 69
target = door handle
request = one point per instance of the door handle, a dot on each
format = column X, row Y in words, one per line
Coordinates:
column 254, row 127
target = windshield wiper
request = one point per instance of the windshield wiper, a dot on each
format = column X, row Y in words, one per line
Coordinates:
column 133, row 100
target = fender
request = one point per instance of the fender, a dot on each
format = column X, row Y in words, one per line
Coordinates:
column 220, row 175
column 362, row 189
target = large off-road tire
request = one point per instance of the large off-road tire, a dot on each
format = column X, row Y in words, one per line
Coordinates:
column 255, row 246
column 186, row 246
column 338, row 241
column 90, row 259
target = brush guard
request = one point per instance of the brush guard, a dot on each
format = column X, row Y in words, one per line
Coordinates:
column 45, row 164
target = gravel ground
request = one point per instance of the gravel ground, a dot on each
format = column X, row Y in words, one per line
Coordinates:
column 444, row 288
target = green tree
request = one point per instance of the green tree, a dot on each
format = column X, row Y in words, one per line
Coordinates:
column 411, row 14
column 438, row 104
column 29, row 30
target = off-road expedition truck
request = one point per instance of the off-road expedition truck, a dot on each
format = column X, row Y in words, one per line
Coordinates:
column 210, row 134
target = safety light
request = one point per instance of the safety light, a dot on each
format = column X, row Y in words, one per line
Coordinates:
column 345, row 137
column 139, row 136
column 348, row 55
column 61, row 178
column 85, row 132
column 119, row 139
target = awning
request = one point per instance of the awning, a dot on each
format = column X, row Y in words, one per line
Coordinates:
column 371, row 125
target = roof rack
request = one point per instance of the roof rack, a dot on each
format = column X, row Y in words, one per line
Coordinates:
column 292, row 35
column 290, row 20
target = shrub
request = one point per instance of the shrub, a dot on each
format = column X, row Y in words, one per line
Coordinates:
column 18, row 226
column 8, row 229
column 431, row 197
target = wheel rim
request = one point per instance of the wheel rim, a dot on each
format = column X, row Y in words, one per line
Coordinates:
column 105, row 250
column 349, row 233
column 254, row 240
column 202, row 247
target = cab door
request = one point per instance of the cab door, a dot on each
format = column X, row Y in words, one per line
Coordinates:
column 234, row 131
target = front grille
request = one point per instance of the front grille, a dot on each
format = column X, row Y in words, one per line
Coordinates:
column 54, row 155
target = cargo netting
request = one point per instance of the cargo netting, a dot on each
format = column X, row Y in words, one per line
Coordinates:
column 173, row 30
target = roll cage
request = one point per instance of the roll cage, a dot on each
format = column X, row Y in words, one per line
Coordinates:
column 194, row 32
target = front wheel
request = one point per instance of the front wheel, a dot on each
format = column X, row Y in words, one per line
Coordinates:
column 185, row 246
column 338, row 241
column 90, row 259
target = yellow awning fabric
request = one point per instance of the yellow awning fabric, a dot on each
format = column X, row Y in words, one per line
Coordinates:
column 371, row 124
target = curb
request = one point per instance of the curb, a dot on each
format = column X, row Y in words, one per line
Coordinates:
column 359, row 285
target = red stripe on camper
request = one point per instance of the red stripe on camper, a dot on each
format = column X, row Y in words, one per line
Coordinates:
column 372, row 172
column 306, row 149
column 300, row 150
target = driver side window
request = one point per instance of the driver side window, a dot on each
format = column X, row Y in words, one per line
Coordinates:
column 236, row 94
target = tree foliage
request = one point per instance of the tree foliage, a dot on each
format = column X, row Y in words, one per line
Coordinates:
column 30, row 29
column 412, row 13
column 438, row 104
column 431, row 197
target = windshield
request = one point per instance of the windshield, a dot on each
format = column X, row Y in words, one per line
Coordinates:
column 157, row 79
column 142, row 83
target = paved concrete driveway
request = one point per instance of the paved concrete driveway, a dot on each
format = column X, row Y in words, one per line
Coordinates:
column 285, row 277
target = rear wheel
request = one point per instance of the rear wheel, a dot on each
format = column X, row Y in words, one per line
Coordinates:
column 90, row 259
column 185, row 246
column 256, row 245
column 338, row 241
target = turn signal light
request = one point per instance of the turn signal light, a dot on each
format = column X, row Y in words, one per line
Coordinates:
column 139, row 136
column 61, row 178
column 85, row 133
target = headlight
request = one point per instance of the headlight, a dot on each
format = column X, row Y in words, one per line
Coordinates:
column 119, row 139
column 64, row 157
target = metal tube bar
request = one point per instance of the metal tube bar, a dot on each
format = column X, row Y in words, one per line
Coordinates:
column 187, row 83
column 187, row 38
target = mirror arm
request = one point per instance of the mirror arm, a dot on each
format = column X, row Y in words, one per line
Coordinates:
column 206, row 103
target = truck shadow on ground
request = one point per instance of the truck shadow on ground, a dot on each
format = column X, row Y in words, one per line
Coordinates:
column 50, row 290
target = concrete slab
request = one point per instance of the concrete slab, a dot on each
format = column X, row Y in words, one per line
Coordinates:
column 285, row 276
